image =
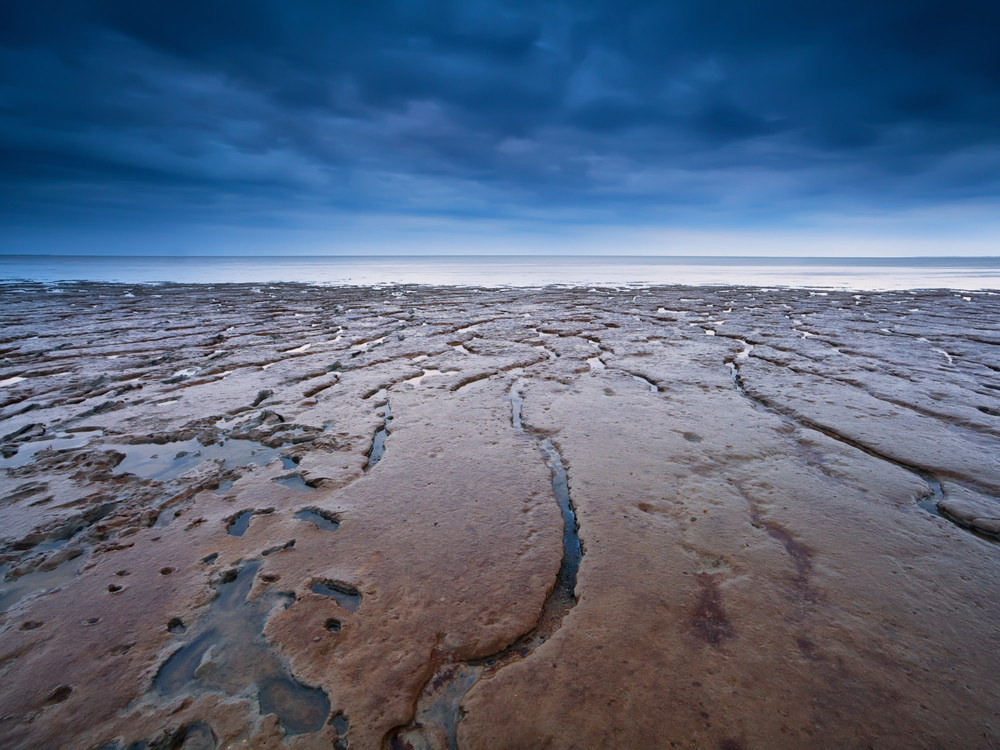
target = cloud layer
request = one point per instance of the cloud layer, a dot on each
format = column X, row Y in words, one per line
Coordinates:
column 264, row 113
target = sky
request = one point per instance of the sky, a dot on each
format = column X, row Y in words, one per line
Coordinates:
column 773, row 127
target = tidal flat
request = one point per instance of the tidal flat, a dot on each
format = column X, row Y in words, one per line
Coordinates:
column 290, row 516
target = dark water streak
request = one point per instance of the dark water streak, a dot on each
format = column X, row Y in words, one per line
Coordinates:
column 438, row 710
column 378, row 441
column 928, row 502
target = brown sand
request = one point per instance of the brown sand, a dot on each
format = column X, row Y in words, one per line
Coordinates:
column 786, row 502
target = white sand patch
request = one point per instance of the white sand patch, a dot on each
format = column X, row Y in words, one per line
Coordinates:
column 366, row 345
column 187, row 372
column 426, row 374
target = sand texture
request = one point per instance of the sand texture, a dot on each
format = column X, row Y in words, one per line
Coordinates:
column 411, row 517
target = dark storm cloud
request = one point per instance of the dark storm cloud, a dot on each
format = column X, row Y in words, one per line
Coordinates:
column 606, row 110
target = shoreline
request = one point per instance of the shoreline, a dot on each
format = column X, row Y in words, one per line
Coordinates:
column 17, row 284
column 865, row 274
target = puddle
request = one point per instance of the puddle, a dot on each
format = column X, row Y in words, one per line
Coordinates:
column 62, row 441
column 426, row 374
column 930, row 502
column 169, row 460
column 344, row 594
column 40, row 581
column 226, row 423
column 438, row 711
column 341, row 724
column 321, row 519
column 364, row 346
column 226, row 653
column 653, row 387
column 294, row 482
column 239, row 523
column 378, row 441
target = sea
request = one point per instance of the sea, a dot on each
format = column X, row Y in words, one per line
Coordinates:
column 961, row 273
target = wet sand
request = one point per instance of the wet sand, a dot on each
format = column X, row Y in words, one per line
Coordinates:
column 303, row 517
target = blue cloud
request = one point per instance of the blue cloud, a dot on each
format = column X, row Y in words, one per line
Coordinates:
column 636, row 113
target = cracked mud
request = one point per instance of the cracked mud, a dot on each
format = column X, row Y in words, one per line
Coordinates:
column 665, row 517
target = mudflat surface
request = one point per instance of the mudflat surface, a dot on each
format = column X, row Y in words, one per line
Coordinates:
column 297, row 517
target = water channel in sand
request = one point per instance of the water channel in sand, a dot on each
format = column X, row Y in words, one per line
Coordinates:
column 435, row 723
column 929, row 502
column 378, row 442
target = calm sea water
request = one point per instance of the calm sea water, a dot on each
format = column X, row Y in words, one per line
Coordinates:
column 830, row 273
